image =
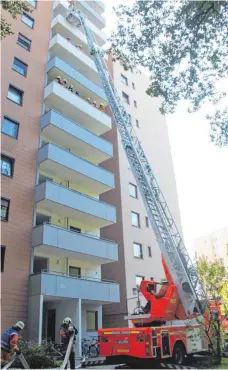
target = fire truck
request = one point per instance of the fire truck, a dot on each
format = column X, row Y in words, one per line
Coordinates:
column 168, row 326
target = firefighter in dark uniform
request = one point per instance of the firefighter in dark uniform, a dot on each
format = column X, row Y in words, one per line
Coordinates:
column 9, row 340
column 66, row 332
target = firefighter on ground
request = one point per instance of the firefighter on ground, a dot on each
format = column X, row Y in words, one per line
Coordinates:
column 9, row 342
column 66, row 332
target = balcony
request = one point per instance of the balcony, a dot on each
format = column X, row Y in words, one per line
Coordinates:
column 59, row 98
column 85, row 87
column 51, row 284
column 98, row 6
column 61, row 7
column 57, row 199
column 91, row 14
column 59, row 162
column 57, row 241
column 69, row 134
column 65, row 50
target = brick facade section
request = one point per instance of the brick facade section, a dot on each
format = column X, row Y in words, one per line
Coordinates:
column 16, row 233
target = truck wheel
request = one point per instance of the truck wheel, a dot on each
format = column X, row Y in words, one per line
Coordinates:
column 179, row 353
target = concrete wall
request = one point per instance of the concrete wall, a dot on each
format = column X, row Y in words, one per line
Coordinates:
column 16, row 233
column 153, row 135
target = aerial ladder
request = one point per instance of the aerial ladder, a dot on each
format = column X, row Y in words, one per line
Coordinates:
column 176, row 259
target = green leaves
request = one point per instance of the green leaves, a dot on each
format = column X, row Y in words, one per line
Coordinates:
column 183, row 45
column 15, row 8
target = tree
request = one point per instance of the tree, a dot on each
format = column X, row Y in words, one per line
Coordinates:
column 214, row 278
column 183, row 46
column 15, row 8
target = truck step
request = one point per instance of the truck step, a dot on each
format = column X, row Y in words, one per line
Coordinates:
column 165, row 365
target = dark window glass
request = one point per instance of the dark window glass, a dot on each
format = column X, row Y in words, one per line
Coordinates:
column 20, row 67
column 91, row 320
column 10, row 127
column 24, row 42
column 3, row 252
column 29, row 21
column 149, row 252
column 135, row 103
column 133, row 85
column 15, row 95
column 4, row 209
column 137, row 123
column 75, row 229
column 124, row 79
column 7, row 165
column 74, row 271
column 147, row 221
column 125, row 98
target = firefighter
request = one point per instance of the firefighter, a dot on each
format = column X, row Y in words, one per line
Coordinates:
column 9, row 341
column 162, row 291
column 71, row 88
column 58, row 79
column 94, row 104
column 65, row 83
column 66, row 331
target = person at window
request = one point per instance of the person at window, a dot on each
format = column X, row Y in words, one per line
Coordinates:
column 58, row 79
column 66, row 332
column 80, row 48
column 89, row 100
column 69, row 39
column 95, row 104
column 9, row 342
column 71, row 88
column 77, row 93
column 101, row 107
column 65, row 83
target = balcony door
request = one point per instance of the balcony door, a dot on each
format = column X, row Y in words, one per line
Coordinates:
column 40, row 264
column 51, row 319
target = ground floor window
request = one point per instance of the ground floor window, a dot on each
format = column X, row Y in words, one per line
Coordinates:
column 91, row 320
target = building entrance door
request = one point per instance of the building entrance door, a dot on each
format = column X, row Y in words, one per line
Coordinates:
column 51, row 324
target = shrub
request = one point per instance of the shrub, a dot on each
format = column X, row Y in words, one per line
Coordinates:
column 38, row 356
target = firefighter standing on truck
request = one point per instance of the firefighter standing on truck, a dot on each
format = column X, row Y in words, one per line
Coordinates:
column 66, row 332
column 9, row 342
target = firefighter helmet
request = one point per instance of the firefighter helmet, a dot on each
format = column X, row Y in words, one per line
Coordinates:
column 67, row 321
column 20, row 325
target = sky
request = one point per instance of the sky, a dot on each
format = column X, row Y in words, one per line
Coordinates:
column 201, row 168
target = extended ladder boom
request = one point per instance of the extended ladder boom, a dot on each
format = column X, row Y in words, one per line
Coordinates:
column 181, row 268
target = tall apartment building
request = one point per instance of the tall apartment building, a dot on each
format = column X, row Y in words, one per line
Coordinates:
column 139, row 255
column 52, row 175
column 213, row 246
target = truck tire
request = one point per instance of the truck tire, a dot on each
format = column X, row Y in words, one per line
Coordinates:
column 179, row 353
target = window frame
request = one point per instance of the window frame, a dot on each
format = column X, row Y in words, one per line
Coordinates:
column 25, row 64
column 133, row 186
column 3, row 256
column 12, row 121
column 75, row 229
column 124, row 79
column 127, row 101
column 12, row 160
column 96, row 320
column 16, row 89
column 138, row 276
column 149, row 248
column 24, row 14
column 138, row 218
column 8, row 208
column 140, row 256
column 29, row 42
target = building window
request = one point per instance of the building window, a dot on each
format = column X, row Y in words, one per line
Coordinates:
column 124, row 79
column 138, row 250
column 128, row 164
column 5, row 203
column 20, row 67
column 91, row 320
column 138, row 279
column 129, row 117
column 135, row 221
column 10, row 127
column 15, row 95
column 125, row 98
column 24, row 42
column 149, row 252
column 137, row 123
column 75, row 229
column 33, row 3
column 40, row 264
column 7, row 165
column 147, row 221
column 75, row 271
column 133, row 190
column 29, row 21
column 3, row 251
column 133, row 85
column 135, row 103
